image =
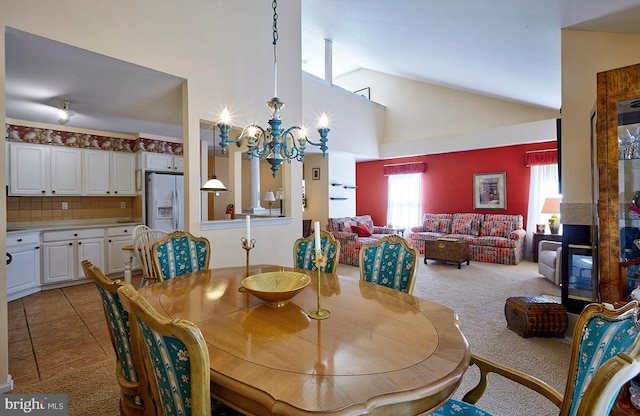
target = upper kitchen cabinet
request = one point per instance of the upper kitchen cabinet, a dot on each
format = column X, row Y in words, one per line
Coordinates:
column 108, row 173
column 44, row 170
column 162, row 162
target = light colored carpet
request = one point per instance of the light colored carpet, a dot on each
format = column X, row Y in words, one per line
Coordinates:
column 476, row 292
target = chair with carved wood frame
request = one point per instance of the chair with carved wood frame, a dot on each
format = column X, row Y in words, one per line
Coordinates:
column 389, row 262
column 605, row 354
column 304, row 253
column 180, row 252
column 143, row 239
column 134, row 387
column 177, row 357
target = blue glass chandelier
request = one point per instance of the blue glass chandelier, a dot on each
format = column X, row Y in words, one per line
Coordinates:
column 274, row 144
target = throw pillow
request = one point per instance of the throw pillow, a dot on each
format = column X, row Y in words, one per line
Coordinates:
column 361, row 230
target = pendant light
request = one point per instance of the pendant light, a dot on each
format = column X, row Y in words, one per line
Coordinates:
column 214, row 184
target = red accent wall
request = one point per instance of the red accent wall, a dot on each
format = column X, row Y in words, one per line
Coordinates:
column 447, row 184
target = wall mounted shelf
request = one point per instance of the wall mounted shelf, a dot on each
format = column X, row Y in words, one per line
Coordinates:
column 336, row 184
column 349, row 187
column 338, row 198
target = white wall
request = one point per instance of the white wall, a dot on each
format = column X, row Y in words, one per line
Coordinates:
column 419, row 111
column 584, row 54
column 342, row 170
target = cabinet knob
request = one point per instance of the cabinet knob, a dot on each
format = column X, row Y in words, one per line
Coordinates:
column 70, row 244
column 37, row 248
column 42, row 191
column 53, row 192
column 110, row 241
column 19, row 240
column 75, row 234
column 79, row 242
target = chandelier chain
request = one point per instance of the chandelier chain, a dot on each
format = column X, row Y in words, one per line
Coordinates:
column 274, row 4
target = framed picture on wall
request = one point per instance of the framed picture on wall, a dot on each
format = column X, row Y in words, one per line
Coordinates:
column 315, row 174
column 489, row 190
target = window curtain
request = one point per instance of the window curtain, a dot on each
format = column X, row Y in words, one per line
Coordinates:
column 543, row 184
column 403, row 203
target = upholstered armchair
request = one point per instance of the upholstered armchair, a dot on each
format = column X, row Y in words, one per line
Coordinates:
column 605, row 354
column 180, row 253
column 304, row 252
column 550, row 260
column 389, row 262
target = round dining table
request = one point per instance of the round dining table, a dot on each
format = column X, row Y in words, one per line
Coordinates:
column 380, row 352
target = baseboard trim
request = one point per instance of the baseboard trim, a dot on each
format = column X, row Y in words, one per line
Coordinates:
column 8, row 386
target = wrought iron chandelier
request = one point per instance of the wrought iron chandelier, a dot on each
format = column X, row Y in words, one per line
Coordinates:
column 274, row 144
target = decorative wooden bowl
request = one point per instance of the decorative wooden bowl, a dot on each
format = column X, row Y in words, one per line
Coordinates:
column 276, row 288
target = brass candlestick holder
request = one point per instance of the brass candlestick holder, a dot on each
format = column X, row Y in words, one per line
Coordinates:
column 247, row 246
column 319, row 313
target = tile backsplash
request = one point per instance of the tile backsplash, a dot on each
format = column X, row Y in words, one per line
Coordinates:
column 49, row 208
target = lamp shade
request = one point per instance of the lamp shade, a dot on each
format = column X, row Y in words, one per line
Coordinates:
column 269, row 197
column 214, row 185
column 551, row 206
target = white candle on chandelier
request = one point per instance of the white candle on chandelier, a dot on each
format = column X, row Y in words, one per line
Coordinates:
column 324, row 121
column 225, row 117
column 316, row 231
column 248, row 229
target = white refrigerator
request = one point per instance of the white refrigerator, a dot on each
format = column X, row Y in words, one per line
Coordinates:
column 165, row 201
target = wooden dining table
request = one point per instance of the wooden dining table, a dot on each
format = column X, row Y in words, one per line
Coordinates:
column 381, row 352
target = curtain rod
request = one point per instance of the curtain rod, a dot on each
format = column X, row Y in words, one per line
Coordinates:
column 406, row 163
column 542, row 150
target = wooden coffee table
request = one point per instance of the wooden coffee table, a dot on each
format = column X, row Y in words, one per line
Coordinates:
column 448, row 250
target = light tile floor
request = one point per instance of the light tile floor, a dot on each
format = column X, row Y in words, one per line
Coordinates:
column 55, row 330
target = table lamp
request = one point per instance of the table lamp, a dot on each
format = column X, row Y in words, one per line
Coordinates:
column 552, row 206
column 270, row 198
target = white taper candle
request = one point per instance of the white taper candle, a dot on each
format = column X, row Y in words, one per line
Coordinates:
column 248, row 229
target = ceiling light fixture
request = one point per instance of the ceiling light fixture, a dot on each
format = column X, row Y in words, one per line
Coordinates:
column 274, row 144
column 214, row 184
column 64, row 114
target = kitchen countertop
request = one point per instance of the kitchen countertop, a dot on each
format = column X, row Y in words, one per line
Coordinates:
column 14, row 227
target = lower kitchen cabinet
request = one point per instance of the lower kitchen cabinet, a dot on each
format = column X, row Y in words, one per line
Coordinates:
column 63, row 252
column 117, row 238
column 23, row 264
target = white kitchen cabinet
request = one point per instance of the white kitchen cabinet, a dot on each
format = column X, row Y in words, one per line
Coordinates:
column 96, row 169
column 66, row 170
column 108, row 173
column 28, row 167
column 117, row 238
column 23, row 269
column 44, row 170
column 63, row 252
column 123, row 169
column 162, row 162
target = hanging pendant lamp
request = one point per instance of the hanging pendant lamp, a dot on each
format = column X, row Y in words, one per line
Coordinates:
column 214, row 184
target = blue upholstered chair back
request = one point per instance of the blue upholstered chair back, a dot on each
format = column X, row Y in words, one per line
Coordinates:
column 389, row 262
column 602, row 337
column 304, row 252
column 118, row 323
column 179, row 253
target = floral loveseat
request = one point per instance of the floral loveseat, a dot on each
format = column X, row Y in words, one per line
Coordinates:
column 493, row 238
column 351, row 233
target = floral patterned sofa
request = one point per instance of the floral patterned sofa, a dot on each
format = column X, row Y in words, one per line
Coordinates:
column 346, row 229
column 493, row 238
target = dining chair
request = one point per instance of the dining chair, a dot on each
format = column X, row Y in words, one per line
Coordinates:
column 177, row 357
column 134, row 387
column 304, row 252
column 143, row 239
column 605, row 354
column 390, row 262
column 180, row 252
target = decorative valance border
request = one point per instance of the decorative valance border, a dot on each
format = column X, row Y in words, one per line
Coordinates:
column 541, row 157
column 37, row 135
column 404, row 168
